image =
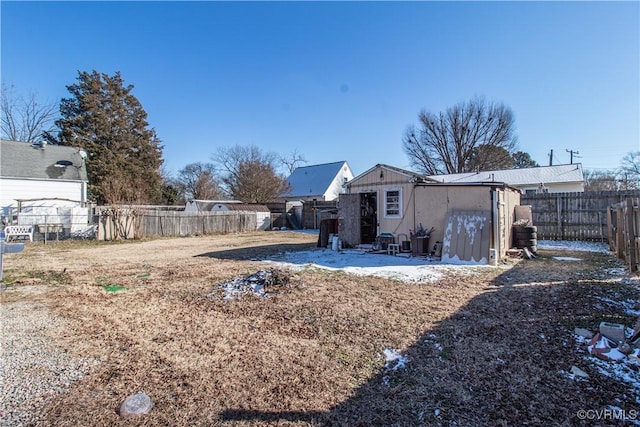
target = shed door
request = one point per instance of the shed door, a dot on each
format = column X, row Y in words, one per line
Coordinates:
column 349, row 219
column 368, row 217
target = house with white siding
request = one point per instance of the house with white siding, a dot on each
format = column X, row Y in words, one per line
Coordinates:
column 542, row 179
column 40, row 175
column 322, row 182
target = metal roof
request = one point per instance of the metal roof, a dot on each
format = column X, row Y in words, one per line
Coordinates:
column 41, row 161
column 520, row 177
column 313, row 180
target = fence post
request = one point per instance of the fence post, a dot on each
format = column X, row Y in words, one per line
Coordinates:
column 559, row 234
column 620, row 231
column 610, row 230
column 631, row 235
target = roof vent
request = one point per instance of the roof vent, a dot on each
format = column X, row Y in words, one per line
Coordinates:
column 63, row 163
column 40, row 144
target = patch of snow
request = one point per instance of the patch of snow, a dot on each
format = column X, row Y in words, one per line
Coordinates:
column 621, row 372
column 573, row 245
column 580, row 339
column 362, row 263
column 253, row 284
column 566, row 258
column 617, row 271
column 457, row 261
column 629, row 306
column 393, row 359
column 314, row 231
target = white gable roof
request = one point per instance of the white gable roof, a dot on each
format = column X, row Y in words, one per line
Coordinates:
column 316, row 180
column 520, row 177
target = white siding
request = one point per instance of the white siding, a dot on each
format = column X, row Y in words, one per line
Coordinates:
column 13, row 189
column 337, row 185
column 566, row 187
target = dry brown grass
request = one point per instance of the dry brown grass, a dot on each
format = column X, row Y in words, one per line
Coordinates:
column 311, row 353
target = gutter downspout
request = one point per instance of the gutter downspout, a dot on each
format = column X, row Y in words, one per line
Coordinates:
column 494, row 246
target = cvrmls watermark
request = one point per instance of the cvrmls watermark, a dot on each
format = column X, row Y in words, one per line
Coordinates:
column 609, row 414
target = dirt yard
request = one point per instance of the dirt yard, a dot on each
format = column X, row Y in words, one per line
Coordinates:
column 490, row 348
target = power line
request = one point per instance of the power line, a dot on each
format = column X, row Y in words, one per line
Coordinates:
column 573, row 153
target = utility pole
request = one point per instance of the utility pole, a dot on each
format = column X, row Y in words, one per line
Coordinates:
column 571, row 153
column 551, row 158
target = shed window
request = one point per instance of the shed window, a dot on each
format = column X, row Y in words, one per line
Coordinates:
column 393, row 203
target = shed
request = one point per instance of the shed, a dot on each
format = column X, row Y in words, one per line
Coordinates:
column 472, row 221
column 263, row 214
column 196, row 205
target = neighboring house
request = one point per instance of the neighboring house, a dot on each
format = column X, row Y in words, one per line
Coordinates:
column 472, row 221
column 322, row 182
column 41, row 179
column 542, row 179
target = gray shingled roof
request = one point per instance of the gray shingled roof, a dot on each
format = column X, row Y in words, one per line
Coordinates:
column 525, row 176
column 24, row 160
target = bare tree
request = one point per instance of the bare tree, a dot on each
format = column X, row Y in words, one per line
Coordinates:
column 605, row 180
column 25, row 118
column 293, row 161
column 445, row 142
column 249, row 175
column 198, row 181
column 630, row 170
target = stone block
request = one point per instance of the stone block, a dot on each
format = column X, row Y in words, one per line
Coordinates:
column 613, row 331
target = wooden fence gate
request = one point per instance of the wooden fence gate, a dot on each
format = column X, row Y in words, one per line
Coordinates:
column 623, row 227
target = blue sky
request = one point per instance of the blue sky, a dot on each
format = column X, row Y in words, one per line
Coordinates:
column 343, row 80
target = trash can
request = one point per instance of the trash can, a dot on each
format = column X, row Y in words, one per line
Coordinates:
column 419, row 245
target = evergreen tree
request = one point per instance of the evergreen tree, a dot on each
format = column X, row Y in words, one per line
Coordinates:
column 124, row 154
column 522, row 160
column 489, row 157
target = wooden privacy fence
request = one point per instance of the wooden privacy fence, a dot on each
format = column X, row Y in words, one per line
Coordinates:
column 135, row 224
column 623, row 225
column 574, row 216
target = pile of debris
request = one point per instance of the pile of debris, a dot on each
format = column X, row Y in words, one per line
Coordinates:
column 260, row 283
column 611, row 342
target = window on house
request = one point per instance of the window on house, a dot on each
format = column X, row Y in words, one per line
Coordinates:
column 392, row 203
